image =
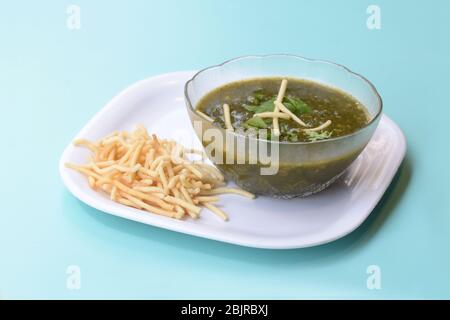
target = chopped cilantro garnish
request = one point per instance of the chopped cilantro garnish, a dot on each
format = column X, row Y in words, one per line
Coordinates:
column 256, row 122
column 296, row 106
column 315, row 136
column 267, row 106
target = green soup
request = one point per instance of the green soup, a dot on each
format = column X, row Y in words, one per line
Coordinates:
column 312, row 102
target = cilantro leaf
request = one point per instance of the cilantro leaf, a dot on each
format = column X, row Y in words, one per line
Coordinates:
column 267, row 106
column 249, row 107
column 259, row 94
column 296, row 106
column 256, row 122
column 292, row 136
column 315, row 136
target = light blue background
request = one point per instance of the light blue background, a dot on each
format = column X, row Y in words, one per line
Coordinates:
column 53, row 80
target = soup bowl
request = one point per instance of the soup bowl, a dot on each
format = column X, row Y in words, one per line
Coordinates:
column 277, row 168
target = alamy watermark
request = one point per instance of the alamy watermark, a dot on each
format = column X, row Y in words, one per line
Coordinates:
column 73, row 20
column 373, row 281
column 258, row 147
column 374, row 19
column 73, row 280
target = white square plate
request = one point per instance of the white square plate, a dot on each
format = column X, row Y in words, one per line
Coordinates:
column 158, row 103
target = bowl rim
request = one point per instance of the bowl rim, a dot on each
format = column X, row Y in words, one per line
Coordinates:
column 371, row 85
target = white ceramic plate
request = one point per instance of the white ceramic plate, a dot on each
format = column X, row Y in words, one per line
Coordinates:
column 158, row 103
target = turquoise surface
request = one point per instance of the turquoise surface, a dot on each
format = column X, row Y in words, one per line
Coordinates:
column 53, row 80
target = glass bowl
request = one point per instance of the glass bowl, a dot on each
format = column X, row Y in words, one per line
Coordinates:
column 303, row 168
